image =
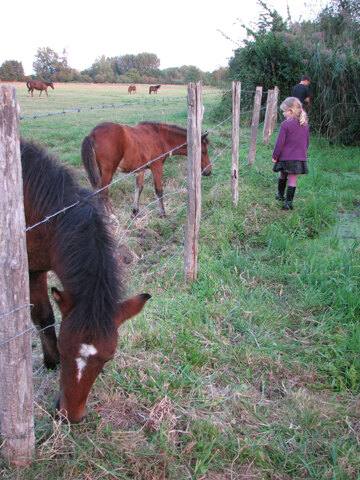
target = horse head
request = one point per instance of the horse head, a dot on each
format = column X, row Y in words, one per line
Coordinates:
column 51, row 85
column 83, row 356
column 205, row 161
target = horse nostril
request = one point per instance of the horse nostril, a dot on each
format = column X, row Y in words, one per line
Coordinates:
column 82, row 419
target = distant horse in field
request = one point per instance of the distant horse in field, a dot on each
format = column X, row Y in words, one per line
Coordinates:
column 110, row 146
column 131, row 88
column 154, row 88
column 77, row 246
column 38, row 85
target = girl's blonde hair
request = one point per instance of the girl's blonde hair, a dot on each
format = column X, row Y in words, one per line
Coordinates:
column 294, row 104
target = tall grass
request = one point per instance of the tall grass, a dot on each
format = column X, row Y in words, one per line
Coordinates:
column 252, row 371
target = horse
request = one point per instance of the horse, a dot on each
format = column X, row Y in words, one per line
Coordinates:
column 76, row 244
column 110, row 145
column 131, row 88
column 38, row 85
column 154, row 88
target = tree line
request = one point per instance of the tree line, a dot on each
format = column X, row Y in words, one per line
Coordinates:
column 141, row 68
column 276, row 52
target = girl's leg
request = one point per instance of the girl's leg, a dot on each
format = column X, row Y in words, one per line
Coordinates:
column 281, row 186
column 290, row 192
column 292, row 178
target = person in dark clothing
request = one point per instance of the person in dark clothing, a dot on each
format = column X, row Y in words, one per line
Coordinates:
column 289, row 155
column 301, row 90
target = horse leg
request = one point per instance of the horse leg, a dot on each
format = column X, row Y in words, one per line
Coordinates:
column 46, row 92
column 157, row 169
column 40, row 93
column 139, row 185
column 42, row 316
column 106, row 179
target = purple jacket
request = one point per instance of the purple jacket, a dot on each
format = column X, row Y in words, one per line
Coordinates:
column 292, row 141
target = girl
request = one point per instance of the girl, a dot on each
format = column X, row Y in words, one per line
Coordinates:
column 289, row 154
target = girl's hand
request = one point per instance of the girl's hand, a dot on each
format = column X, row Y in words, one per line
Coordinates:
column 274, row 160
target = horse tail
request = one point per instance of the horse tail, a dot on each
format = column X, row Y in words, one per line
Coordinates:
column 89, row 160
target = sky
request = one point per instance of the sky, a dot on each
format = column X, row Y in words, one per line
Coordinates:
column 189, row 32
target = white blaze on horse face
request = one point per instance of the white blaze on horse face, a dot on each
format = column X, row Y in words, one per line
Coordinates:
column 84, row 353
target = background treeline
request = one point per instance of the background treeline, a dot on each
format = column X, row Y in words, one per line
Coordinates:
column 278, row 52
column 141, row 68
column 275, row 52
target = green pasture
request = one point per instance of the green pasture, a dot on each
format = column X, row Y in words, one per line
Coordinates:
column 253, row 370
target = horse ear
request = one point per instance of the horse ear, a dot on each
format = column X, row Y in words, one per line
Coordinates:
column 58, row 296
column 204, row 137
column 130, row 307
column 63, row 300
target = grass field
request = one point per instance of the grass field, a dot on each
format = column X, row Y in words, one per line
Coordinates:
column 252, row 371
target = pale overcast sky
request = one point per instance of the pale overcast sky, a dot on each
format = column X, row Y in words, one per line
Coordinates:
column 187, row 32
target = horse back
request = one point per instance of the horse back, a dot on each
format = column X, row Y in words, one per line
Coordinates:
column 124, row 147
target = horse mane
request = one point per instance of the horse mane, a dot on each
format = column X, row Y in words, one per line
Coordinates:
column 84, row 250
column 157, row 126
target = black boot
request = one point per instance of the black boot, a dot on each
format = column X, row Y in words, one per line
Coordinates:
column 281, row 189
column 290, row 192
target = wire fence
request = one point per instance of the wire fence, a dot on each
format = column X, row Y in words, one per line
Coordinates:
column 43, row 377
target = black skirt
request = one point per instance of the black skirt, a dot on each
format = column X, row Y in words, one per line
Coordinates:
column 291, row 166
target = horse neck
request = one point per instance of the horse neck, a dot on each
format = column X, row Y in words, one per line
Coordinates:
column 175, row 137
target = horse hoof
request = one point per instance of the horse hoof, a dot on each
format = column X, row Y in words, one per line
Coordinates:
column 51, row 364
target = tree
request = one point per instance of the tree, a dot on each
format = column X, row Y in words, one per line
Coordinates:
column 147, row 62
column 327, row 49
column 101, row 70
column 220, row 77
column 12, row 71
column 46, row 63
column 269, row 59
column 192, row 74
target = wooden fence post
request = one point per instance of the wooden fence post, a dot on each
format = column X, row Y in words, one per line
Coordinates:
column 236, row 93
column 255, row 125
column 268, row 118
column 16, row 389
column 195, row 114
column 274, row 110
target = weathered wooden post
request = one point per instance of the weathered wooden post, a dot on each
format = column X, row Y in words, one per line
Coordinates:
column 195, row 114
column 255, row 125
column 16, row 389
column 236, row 93
column 274, row 110
column 268, row 118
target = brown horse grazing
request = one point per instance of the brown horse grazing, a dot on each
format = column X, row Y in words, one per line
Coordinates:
column 131, row 88
column 38, row 85
column 110, row 146
column 77, row 245
column 154, row 88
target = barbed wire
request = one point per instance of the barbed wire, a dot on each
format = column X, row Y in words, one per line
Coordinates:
column 18, row 437
column 100, row 107
column 123, row 104
column 16, row 310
